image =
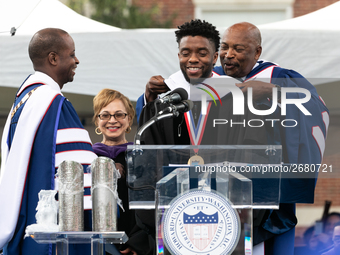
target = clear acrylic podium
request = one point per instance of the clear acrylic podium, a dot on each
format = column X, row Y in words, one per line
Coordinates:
column 248, row 177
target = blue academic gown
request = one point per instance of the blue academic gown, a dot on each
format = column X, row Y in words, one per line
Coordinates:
column 300, row 146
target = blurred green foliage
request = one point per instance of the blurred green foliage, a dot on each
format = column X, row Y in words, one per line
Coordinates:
column 122, row 13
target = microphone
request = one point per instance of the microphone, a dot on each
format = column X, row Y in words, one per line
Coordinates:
column 184, row 106
column 174, row 96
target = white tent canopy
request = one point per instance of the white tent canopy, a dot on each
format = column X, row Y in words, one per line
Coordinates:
column 109, row 57
column 325, row 19
column 308, row 44
column 29, row 16
column 125, row 59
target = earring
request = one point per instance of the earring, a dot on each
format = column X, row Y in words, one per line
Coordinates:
column 97, row 131
column 128, row 130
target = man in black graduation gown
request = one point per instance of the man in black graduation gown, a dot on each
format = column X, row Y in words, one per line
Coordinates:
column 198, row 43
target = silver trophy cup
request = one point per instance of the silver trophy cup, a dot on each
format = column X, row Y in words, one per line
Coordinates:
column 71, row 193
column 104, row 195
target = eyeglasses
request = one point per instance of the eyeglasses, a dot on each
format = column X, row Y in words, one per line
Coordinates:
column 117, row 116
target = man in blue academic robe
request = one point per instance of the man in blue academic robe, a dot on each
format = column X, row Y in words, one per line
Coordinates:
column 42, row 130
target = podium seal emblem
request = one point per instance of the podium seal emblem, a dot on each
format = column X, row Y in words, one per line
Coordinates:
column 201, row 222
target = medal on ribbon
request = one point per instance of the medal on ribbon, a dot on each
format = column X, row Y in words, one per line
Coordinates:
column 196, row 131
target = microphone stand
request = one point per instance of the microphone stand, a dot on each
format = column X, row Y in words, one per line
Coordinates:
column 140, row 131
column 150, row 122
column 171, row 111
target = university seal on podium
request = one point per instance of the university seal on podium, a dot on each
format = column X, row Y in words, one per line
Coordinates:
column 201, row 222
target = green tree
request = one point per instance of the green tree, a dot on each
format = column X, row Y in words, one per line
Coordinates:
column 123, row 13
column 77, row 6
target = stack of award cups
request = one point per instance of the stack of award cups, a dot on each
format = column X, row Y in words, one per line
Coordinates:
column 104, row 195
column 71, row 192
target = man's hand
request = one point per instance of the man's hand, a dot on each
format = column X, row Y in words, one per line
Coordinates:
column 154, row 87
column 128, row 251
column 261, row 89
column 121, row 169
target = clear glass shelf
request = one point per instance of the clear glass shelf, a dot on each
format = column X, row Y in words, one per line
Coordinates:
column 117, row 237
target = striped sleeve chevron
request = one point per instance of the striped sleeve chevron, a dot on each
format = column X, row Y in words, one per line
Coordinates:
column 72, row 140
